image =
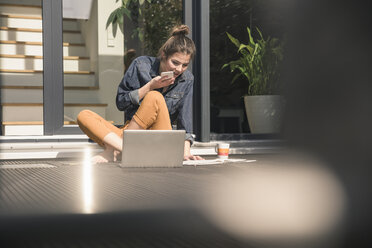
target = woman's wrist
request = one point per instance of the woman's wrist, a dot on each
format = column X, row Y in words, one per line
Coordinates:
column 143, row 90
column 150, row 85
column 187, row 148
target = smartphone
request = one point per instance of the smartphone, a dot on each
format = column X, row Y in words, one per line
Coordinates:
column 167, row 74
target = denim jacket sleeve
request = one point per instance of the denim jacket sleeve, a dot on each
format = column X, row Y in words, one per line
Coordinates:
column 125, row 96
column 137, row 75
column 184, row 120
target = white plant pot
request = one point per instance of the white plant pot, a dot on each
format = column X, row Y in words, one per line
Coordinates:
column 264, row 113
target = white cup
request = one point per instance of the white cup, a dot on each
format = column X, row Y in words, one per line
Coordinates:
column 222, row 150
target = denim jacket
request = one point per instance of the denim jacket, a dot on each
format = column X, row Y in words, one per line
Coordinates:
column 178, row 96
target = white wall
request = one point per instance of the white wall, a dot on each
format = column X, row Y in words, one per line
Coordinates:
column 110, row 60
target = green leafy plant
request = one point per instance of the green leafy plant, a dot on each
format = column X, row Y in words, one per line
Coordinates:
column 159, row 18
column 130, row 8
column 258, row 62
column 152, row 20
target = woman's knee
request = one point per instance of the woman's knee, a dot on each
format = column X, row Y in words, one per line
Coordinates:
column 83, row 115
column 153, row 96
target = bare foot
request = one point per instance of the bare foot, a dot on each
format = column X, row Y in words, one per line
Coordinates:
column 117, row 155
column 106, row 156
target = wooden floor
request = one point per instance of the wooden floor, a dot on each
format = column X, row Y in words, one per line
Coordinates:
column 68, row 203
column 71, row 203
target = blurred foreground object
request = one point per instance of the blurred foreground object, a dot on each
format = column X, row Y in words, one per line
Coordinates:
column 295, row 202
column 329, row 104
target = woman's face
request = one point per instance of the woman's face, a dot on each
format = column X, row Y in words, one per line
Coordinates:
column 177, row 62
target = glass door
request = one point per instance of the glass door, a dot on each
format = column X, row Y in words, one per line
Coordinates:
column 58, row 57
column 21, row 67
column 73, row 36
column 73, row 61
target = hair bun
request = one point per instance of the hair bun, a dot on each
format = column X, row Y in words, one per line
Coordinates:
column 181, row 30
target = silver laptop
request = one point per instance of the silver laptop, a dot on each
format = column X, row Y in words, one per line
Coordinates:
column 153, row 148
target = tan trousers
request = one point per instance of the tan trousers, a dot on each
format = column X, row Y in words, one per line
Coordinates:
column 152, row 114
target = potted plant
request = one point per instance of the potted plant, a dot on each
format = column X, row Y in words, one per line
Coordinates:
column 259, row 62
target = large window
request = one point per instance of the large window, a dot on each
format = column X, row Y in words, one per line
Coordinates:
column 234, row 16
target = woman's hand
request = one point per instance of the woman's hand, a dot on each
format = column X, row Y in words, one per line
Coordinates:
column 155, row 83
column 160, row 82
column 187, row 154
column 192, row 157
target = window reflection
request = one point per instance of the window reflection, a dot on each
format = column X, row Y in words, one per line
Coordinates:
column 234, row 16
